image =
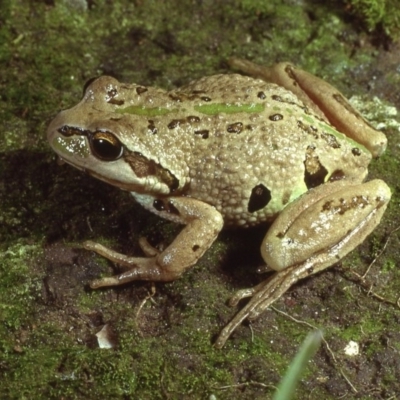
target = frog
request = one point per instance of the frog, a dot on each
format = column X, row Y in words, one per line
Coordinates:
column 269, row 145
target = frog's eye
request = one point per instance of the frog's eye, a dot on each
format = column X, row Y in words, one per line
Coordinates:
column 105, row 146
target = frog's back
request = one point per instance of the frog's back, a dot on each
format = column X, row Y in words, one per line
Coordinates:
column 255, row 147
column 243, row 145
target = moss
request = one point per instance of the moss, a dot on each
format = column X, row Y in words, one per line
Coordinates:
column 373, row 13
column 45, row 373
column 48, row 315
column 18, row 286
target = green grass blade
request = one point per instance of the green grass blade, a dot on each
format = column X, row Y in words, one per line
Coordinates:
column 289, row 382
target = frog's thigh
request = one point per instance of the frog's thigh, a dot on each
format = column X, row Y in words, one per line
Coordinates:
column 203, row 223
column 325, row 224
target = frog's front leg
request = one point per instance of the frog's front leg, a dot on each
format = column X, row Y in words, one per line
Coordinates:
column 203, row 223
column 311, row 234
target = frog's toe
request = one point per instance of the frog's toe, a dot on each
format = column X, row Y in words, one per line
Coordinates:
column 104, row 282
column 241, row 294
column 142, row 269
column 262, row 296
column 147, row 248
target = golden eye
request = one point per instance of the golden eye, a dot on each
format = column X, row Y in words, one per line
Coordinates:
column 105, row 146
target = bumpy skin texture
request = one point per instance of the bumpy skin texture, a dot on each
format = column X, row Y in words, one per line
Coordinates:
column 248, row 164
column 233, row 150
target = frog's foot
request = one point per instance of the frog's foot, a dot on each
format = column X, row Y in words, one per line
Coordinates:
column 135, row 268
column 262, row 296
column 203, row 223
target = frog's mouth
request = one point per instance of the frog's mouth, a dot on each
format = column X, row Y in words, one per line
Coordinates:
column 129, row 187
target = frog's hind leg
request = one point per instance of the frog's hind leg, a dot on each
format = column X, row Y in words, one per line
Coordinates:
column 321, row 97
column 311, row 234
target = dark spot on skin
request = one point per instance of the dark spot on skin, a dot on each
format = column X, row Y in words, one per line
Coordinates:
column 158, row 205
column 250, row 127
column 192, row 118
column 151, row 127
column 259, row 198
column 314, row 172
column 205, row 98
column 356, row 151
column 175, row 123
column 286, row 197
column 276, row 117
column 203, row 133
column 299, row 105
column 345, row 205
column 280, row 235
column 310, row 270
column 337, row 175
column 195, row 247
column 277, row 98
column 289, row 70
column 112, row 100
column 331, row 140
column 309, row 129
column 360, row 201
column 112, row 92
column 141, row 89
column 316, row 179
column 327, row 206
column 116, row 102
column 380, row 202
column 237, row 127
column 176, row 98
column 261, row 95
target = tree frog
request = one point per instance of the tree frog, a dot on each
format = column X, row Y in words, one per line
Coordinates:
column 232, row 150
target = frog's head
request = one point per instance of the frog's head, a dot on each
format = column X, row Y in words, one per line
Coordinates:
column 94, row 138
